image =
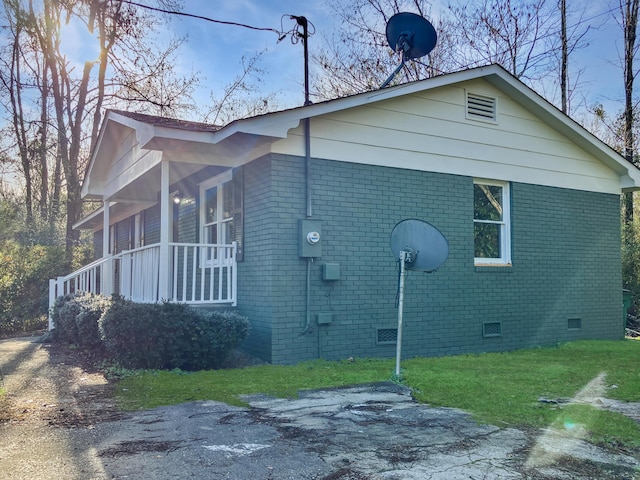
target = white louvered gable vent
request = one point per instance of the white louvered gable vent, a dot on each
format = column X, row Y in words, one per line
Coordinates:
column 481, row 107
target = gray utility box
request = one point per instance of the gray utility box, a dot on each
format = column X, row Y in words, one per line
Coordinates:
column 331, row 271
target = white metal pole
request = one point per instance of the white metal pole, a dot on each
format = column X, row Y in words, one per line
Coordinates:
column 400, row 305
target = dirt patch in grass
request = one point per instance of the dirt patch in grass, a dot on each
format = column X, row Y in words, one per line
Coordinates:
column 52, row 384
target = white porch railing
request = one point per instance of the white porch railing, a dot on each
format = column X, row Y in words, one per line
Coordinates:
column 203, row 273
column 199, row 274
column 89, row 278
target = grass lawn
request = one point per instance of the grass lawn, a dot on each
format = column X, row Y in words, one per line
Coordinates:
column 499, row 388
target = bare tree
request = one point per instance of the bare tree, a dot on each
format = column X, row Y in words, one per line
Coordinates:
column 574, row 32
column 152, row 87
column 239, row 99
column 514, row 34
column 56, row 112
column 358, row 58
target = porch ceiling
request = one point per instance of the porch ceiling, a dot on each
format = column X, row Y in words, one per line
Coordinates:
column 146, row 187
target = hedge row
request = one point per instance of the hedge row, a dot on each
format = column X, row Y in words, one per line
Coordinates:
column 151, row 336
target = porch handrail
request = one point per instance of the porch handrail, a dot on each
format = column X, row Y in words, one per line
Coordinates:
column 198, row 274
column 89, row 278
column 139, row 271
column 204, row 273
column 85, row 279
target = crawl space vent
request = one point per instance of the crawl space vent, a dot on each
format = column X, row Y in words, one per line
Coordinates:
column 574, row 323
column 386, row 335
column 481, row 107
column 492, row 329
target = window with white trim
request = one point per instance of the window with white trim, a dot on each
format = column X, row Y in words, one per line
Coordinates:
column 216, row 212
column 491, row 222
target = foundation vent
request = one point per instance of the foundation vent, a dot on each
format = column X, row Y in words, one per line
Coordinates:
column 574, row 323
column 492, row 329
column 386, row 336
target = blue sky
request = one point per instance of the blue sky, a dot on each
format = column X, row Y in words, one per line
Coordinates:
column 215, row 50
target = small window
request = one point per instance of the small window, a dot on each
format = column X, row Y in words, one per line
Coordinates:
column 491, row 227
column 481, row 107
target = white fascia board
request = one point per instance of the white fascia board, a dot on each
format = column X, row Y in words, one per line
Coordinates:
column 148, row 137
column 111, row 121
column 278, row 124
column 86, row 189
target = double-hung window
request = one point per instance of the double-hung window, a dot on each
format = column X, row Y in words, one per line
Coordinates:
column 491, row 222
column 217, row 213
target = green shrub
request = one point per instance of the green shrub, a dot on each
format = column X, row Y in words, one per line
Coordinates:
column 131, row 334
column 631, row 260
column 213, row 336
column 65, row 311
column 169, row 335
column 24, row 283
column 92, row 307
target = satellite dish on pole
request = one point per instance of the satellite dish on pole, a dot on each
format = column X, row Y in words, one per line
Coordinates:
column 411, row 35
column 431, row 248
column 418, row 246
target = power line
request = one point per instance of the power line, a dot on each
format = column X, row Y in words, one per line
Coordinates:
column 201, row 17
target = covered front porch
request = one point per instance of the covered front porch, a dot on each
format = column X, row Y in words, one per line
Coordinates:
column 171, row 222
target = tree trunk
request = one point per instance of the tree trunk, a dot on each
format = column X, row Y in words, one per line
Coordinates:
column 15, row 93
column 45, row 209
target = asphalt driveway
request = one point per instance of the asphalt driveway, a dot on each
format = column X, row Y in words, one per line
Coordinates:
column 57, row 422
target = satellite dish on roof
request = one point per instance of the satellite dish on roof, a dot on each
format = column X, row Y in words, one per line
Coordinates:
column 418, row 246
column 411, row 35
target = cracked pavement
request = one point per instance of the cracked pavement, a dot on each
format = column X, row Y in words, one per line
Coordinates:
column 372, row 432
column 57, row 422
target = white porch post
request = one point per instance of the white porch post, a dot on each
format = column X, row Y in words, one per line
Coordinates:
column 52, row 301
column 106, row 284
column 165, row 212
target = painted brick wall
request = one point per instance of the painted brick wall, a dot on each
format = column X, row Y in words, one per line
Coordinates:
column 256, row 273
column 565, row 249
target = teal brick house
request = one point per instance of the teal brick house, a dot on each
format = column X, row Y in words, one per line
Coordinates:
column 287, row 218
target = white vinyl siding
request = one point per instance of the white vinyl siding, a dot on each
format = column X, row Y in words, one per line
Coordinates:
column 431, row 132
